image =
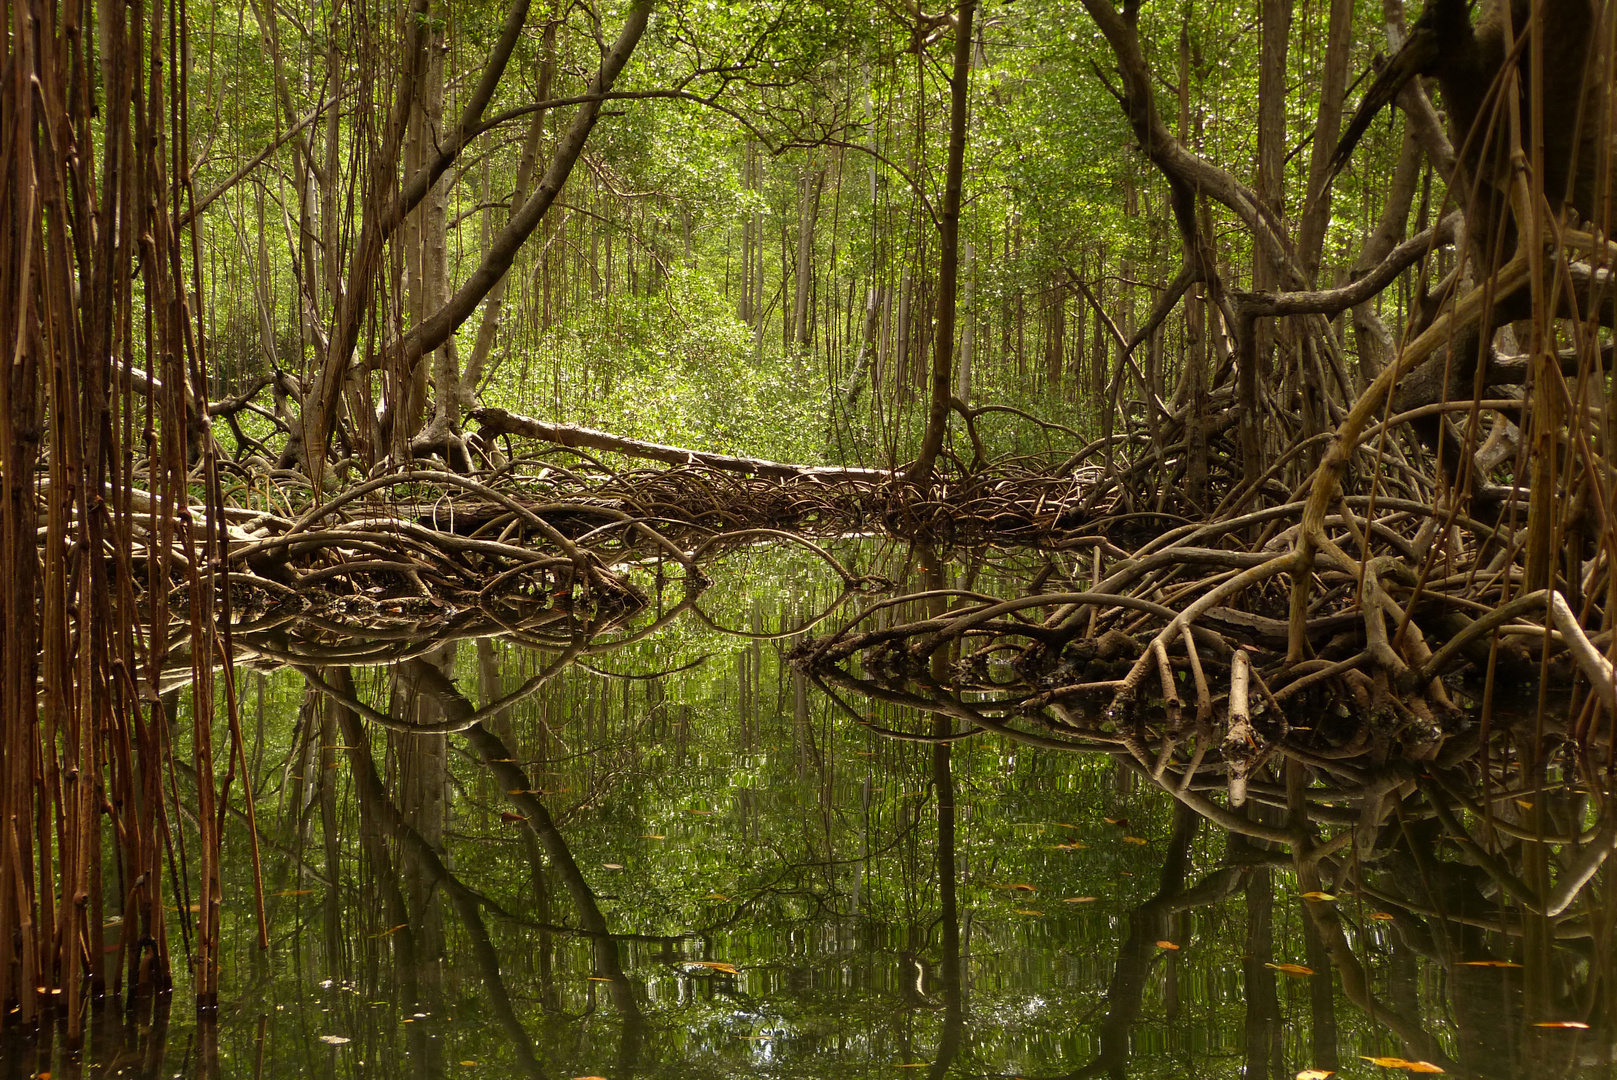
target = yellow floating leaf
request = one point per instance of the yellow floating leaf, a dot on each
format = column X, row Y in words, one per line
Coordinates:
column 599, row 978
column 1315, row 1074
column 1025, row 911
column 1574, row 1025
column 1168, row 945
column 1078, row 900
column 755, row 1038
column 1525, row 804
column 1400, row 1063
column 1490, row 964
column 391, row 930
column 1318, row 897
column 1074, row 846
column 1381, row 916
column 714, row 965
column 1018, row 887
column 1291, row 969
column 1135, row 840
column 652, row 836
column 701, row 811
column 715, row 896
column 469, row 1063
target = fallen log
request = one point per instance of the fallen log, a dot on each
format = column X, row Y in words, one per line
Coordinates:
column 502, row 422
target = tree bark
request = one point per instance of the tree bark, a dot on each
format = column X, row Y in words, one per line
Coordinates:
column 937, row 419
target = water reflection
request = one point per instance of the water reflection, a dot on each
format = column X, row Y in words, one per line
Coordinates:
column 656, row 850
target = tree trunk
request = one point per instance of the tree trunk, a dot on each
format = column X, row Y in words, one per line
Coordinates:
column 937, row 420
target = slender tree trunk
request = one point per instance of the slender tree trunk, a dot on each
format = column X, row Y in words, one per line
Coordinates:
column 937, row 419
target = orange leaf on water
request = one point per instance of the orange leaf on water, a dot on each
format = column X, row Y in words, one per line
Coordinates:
column 1490, row 963
column 1291, row 969
column 512, row 816
column 1400, row 1063
column 1381, row 916
column 1318, row 897
column 1170, row 946
column 1017, row 887
column 1315, row 1074
column 714, row 965
column 1574, row 1025
column 1078, row 900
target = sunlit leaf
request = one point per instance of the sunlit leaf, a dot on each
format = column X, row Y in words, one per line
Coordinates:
column 611, row 866
column 1400, row 1063
column 1120, row 822
column 1135, row 840
column 335, row 1040
column 1573, row 1025
column 1315, row 1074
column 599, row 978
column 1016, row 887
column 1318, row 897
column 1291, row 969
column 1168, row 945
column 652, row 836
column 1381, row 916
column 1073, row 846
column 715, row 965
column 1489, row 964
column 1025, row 911
column 715, row 896
column 469, row 1063
column 1078, row 900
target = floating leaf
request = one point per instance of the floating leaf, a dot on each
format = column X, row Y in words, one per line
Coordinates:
column 468, row 1063
column 391, row 930
column 1291, row 969
column 1017, row 887
column 652, row 836
column 599, row 978
column 715, row 896
column 1573, row 1025
column 714, row 965
column 1490, row 964
column 293, row 892
column 611, row 866
column 1400, row 1063
column 335, row 1040
column 1318, row 897
column 1135, row 840
column 1315, row 1074
column 589, row 1078
column 1168, row 945
column 1120, row 822
column 1078, row 900
column 512, row 816
column 701, row 811
column 1381, row 916
column 1074, row 846
column 1025, row 911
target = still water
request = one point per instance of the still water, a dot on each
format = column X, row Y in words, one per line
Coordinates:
column 671, row 855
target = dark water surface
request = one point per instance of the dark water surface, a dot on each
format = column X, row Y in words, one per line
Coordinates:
column 678, row 858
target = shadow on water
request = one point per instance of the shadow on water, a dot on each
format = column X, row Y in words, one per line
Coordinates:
column 660, row 849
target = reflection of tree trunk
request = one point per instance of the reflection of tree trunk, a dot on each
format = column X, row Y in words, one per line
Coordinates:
column 1262, row 1041
column 423, row 774
column 949, row 982
column 1148, row 924
column 375, row 805
column 497, row 757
